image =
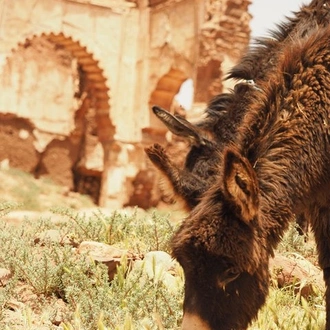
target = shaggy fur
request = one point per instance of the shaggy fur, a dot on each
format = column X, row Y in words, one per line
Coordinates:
column 225, row 111
column 277, row 165
column 263, row 55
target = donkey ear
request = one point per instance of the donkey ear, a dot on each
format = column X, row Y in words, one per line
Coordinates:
column 241, row 184
column 179, row 126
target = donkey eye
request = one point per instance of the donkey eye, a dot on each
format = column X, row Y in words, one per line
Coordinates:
column 232, row 274
column 229, row 275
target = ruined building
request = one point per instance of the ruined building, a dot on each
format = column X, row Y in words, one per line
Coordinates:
column 78, row 78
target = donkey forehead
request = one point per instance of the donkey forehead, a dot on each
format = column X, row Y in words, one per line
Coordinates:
column 227, row 239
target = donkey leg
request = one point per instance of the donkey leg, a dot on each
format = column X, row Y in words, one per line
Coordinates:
column 326, row 276
column 186, row 186
column 174, row 176
column 302, row 228
column 157, row 154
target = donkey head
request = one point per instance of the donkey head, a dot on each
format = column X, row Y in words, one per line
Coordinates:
column 221, row 247
column 202, row 156
column 207, row 139
column 188, row 183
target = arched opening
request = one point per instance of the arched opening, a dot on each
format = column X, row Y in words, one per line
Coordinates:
column 57, row 84
column 185, row 96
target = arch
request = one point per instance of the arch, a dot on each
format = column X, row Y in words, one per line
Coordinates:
column 167, row 87
column 93, row 73
column 164, row 94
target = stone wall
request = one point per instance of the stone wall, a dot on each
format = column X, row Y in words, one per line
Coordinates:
column 224, row 37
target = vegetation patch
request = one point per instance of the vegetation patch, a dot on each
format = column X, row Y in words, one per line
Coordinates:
column 52, row 286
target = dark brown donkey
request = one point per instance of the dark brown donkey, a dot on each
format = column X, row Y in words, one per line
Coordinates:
column 206, row 139
column 277, row 166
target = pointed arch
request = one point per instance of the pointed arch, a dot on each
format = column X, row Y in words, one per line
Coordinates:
column 98, row 90
column 167, row 87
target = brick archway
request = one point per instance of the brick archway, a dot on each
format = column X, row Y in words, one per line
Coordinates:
column 167, row 87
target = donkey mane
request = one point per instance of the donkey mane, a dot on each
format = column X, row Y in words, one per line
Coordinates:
column 225, row 111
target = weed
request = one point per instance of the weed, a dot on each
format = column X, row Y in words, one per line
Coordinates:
column 284, row 310
column 133, row 300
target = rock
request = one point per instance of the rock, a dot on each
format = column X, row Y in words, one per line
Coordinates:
column 5, row 275
column 107, row 254
column 20, row 217
column 299, row 272
column 15, row 305
column 160, row 266
column 60, row 314
column 17, row 217
column 161, row 259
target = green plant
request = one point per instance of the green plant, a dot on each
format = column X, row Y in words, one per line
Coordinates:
column 133, row 300
column 138, row 233
column 293, row 242
column 285, row 310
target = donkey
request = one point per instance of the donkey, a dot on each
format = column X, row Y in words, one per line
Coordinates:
column 278, row 165
column 188, row 184
column 225, row 111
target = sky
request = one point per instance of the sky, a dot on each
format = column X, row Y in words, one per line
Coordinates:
column 266, row 13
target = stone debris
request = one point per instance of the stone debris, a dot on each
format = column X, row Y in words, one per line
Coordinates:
column 5, row 275
column 298, row 272
column 109, row 255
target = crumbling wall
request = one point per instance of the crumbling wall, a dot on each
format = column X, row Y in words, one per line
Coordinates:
column 17, row 146
column 224, row 37
column 173, row 27
column 38, row 82
column 57, row 160
column 86, row 85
